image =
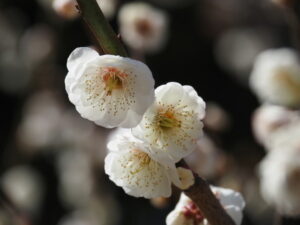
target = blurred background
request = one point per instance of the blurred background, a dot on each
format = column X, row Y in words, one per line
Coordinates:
column 51, row 160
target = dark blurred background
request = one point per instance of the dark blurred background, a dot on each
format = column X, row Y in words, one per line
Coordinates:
column 211, row 46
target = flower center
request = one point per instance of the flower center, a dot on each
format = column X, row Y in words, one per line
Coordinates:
column 113, row 79
column 143, row 27
column 285, row 78
column 142, row 159
column 167, row 120
column 191, row 211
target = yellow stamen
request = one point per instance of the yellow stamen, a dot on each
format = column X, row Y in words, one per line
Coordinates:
column 167, row 120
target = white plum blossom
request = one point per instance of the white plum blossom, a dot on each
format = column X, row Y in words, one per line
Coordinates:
column 140, row 174
column 276, row 77
column 187, row 212
column 143, row 27
column 280, row 171
column 267, row 119
column 172, row 125
column 65, row 8
column 107, row 89
column 108, row 7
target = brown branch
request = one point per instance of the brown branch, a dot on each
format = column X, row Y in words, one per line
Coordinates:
column 207, row 202
column 203, row 197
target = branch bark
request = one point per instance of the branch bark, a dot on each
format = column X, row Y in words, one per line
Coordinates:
column 104, row 34
column 209, row 205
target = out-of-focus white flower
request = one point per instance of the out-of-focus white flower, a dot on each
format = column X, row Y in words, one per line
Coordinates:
column 253, row 41
column 172, row 125
column 285, row 137
column 65, row 8
column 108, row 7
column 143, row 27
column 109, row 90
column 74, row 169
column 101, row 209
column 41, row 122
column 269, row 118
column 280, row 172
column 216, row 119
column 37, row 45
column 24, row 187
column 140, row 174
column 276, row 77
column 206, row 160
column 186, row 211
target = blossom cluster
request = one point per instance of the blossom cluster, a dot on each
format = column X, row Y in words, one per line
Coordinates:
column 275, row 79
column 187, row 212
column 156, row 128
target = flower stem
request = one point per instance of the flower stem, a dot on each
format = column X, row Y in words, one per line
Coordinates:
column 103, row 32
column 207, row 202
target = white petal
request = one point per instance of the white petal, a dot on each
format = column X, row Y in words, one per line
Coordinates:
column 229, row 197
column 79, row 56
column 177, row 218
column 138, row 180
column 235, row 213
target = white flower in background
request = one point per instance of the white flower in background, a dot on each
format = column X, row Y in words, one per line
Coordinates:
column 267, row 119
column 280, row 172
column 109, row 90
column 172, row 125
column 207, row 159
column 140, row 174
column 143, row 27
column 37, row 46
column 254, row 40
column 108, row 7
column 101, row 209
column 74, row 169
column 92, row 140
column 288, row 135
column 65, row 8
column 216, row 119
column 41, row 121
column 276, row 77
column 187, row 212
column 24, row 187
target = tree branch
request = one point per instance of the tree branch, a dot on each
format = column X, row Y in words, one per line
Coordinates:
column 207, row 202
column 209, row 205
column 104, row 34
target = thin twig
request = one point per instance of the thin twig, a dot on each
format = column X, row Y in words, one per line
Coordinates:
column 104, row 34
column 201, row 194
